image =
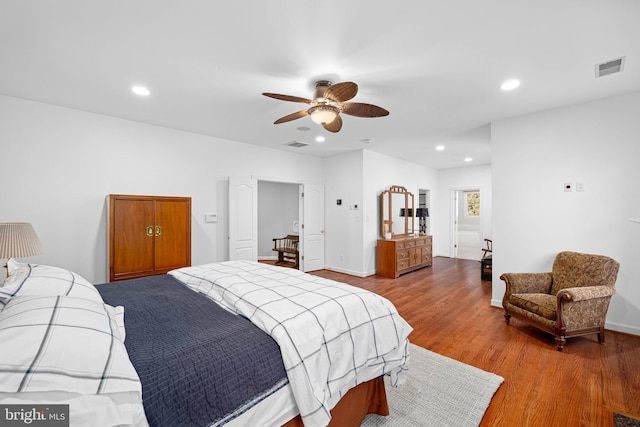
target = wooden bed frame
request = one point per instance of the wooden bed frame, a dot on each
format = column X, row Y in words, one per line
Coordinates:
column 366, row 398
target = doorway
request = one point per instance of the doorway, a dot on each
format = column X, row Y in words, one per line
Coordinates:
column 261, row 210
column 278, row 215
column 467, row 224
column 424, row 219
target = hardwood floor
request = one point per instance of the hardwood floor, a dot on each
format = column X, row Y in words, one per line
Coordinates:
column 448, row 307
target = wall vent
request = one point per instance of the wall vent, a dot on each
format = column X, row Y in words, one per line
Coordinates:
column 610, row 67
column 297, row 144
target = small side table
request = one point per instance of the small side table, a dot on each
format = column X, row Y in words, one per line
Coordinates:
column 486, row 268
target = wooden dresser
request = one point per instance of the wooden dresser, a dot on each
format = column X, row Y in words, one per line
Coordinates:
column 403, row 254
column 148, row 235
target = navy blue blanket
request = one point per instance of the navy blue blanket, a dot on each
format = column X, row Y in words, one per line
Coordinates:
column 197, row 362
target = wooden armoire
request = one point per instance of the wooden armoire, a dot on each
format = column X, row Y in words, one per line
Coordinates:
column 148, row 235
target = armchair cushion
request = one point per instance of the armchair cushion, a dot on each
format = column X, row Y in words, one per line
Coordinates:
column 544, row 305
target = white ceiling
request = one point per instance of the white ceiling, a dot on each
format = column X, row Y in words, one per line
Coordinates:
column 437, row 66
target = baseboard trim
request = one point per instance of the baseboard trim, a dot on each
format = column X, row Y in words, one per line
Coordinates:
column 349, row 272
column 625, row 329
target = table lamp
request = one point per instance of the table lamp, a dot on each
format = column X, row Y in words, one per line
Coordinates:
column 18, row 240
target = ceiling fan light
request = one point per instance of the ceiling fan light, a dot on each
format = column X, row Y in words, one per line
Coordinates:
column 322, row 114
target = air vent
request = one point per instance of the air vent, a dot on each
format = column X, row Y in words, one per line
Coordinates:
column 610, row 67
column 297, row 144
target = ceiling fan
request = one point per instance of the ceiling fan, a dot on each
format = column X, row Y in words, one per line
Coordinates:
column 327, row 104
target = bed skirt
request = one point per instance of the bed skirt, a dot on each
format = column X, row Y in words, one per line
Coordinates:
column 366, row 398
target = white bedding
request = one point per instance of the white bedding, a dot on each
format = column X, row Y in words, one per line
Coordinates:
column 60, row 344
column 333, row 336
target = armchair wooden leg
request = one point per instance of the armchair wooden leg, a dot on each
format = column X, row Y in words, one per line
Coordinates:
column 507, row 317
column 601, row 335
column 560, row 342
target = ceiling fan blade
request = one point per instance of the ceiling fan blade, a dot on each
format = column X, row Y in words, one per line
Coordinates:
column 334, row 126
column 290, row 117
column 287, row 98
column 341, row 92
column 359, row 109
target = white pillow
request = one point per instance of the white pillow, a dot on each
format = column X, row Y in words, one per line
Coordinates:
column 40, row 280
column 117, row 313
column 59, row 343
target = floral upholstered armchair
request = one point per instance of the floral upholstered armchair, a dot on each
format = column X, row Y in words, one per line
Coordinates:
column 571, row 300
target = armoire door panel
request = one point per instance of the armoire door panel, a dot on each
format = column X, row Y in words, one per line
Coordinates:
column 172, row 234
column 131, row 222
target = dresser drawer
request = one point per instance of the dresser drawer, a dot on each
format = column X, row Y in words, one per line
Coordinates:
column 421, row 242
column 403, row 254
column 409, row 244
column 400, row 245
column 402, row 264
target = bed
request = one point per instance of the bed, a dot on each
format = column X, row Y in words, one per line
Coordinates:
column 235, row 343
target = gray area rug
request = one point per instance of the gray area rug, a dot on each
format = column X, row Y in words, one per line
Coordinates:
column 440, row 391
column 620, row 420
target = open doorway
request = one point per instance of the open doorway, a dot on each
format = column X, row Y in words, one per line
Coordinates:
column 278, row 215
column 423, row 216
column 467, row 224
column 290, row 209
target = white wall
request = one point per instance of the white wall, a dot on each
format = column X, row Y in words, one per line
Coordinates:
column 381, row 172
column 57, row 166
column 597, row 144
column 473, row 177
column 359, row 178
column 344, row 225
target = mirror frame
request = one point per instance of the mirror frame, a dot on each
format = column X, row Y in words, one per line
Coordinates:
column 386, row 210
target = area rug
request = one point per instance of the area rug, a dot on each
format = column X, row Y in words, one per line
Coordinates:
column 439, row 392
column 620, row 420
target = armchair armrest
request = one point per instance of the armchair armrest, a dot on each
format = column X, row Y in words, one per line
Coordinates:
column 527, row 283
column 585, row 293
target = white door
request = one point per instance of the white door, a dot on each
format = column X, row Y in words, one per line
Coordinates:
column 243, row 218
column 312, row 228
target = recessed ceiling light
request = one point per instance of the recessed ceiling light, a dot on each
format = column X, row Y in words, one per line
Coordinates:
column 510, row 84
column 366, row 140
column 140, row 90
column 320, row 138
column 439, row 147
column 303, row 128
column 468, row 159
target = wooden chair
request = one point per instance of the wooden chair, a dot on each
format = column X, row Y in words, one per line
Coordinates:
column 488, row 249
column 287, row 249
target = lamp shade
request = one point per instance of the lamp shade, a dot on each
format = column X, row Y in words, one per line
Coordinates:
column 422, row 212
column 18, row 240
column 323, row 114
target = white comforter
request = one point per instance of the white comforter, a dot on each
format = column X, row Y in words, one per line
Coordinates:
column 333, row 336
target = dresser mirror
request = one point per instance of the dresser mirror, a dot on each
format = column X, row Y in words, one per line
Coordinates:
column 397, row 211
